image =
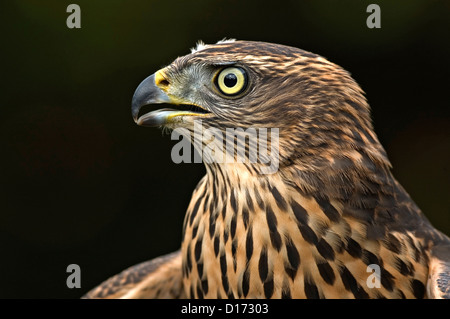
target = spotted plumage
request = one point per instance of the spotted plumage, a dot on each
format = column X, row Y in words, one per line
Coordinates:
column 317, row 226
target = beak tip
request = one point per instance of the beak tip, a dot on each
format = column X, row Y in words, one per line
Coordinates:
column 135, row 112
column 144, row 94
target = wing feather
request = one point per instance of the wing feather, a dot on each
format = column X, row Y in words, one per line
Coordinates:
column 158, row 278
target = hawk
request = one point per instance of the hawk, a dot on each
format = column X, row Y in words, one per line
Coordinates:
column 330, row 222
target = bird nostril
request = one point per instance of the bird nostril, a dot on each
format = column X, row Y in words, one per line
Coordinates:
column 160, row 80
column 163, row 83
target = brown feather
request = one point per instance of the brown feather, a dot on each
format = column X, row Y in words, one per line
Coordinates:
column 332, row 209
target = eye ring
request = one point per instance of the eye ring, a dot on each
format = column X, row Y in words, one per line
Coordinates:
column 231, row 81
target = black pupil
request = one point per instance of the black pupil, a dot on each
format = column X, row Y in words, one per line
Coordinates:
column 230, row 80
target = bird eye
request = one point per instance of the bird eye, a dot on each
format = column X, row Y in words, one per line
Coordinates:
column 232, row 81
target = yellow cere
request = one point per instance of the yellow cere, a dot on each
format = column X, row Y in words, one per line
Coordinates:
column 160, row 80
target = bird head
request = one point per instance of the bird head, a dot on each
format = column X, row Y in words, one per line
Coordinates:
column 320, row 111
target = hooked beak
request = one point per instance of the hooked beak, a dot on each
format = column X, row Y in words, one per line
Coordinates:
column 153, row 91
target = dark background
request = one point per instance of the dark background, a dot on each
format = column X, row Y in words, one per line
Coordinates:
column 81, row 183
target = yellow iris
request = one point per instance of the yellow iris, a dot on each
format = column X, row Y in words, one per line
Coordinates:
column 232, row 81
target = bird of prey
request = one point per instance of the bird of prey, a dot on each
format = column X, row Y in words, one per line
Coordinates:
column 330, row 222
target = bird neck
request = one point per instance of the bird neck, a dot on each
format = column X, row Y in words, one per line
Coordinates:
column 237, row 221
column 234, row 216
column 248, row 235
